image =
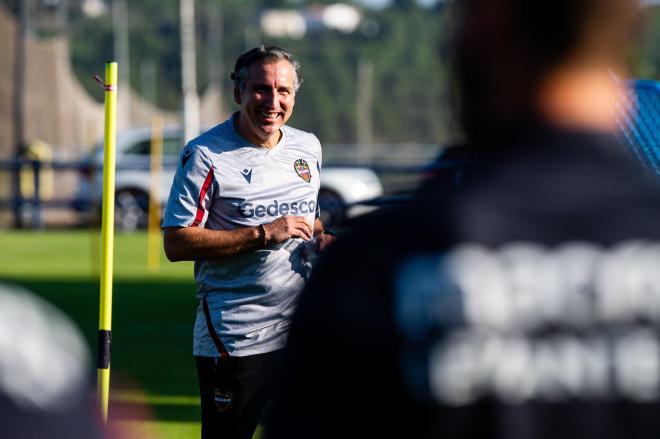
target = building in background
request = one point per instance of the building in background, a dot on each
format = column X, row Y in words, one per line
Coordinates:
column 57, row 109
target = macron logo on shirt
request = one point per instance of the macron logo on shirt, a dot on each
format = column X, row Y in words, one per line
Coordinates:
column 247, row 175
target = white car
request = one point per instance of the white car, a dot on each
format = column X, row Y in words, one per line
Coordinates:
column 342, row 188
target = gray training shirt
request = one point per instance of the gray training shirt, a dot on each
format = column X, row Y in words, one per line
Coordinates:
column 224, row 182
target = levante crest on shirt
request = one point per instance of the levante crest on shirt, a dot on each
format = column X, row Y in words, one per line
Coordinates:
column 302, row 169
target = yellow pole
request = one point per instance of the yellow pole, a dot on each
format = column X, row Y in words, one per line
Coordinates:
column 153, row 238
column 107, row 244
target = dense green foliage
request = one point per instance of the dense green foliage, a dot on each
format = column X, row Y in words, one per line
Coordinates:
column 404, row 43
column 646, row 59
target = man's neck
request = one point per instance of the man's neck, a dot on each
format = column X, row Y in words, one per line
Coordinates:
column 580, row 97
column 268, row 142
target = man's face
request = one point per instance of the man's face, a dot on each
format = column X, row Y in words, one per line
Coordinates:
column 266, row 102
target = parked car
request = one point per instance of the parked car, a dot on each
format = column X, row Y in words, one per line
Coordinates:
column 342, row 188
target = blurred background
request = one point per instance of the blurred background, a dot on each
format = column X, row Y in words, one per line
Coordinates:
column 376, row 89
column 376, row 92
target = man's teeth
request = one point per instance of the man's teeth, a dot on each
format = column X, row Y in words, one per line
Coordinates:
column 269, row 115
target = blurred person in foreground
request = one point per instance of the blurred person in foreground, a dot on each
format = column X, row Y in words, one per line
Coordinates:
column 45, row 386
column 243, row 206
column 526, row 302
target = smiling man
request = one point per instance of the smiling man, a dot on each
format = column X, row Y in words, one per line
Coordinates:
column 243, row 206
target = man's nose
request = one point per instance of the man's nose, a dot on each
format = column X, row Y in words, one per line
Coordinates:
column 270, row 99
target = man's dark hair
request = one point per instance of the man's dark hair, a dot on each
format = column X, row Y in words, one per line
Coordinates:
column 266, row 54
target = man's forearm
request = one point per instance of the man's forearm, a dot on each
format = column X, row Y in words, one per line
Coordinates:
column 197, row 244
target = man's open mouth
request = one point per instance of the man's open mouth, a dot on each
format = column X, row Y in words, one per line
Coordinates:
column 269, row 115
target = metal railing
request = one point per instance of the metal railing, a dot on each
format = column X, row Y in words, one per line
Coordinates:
column 35, row 204
column 639, row 132
column 35, row 201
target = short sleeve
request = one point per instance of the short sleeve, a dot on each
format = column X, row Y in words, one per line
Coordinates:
column 192, row 190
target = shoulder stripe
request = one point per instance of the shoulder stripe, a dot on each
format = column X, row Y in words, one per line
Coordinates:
column 201, row 209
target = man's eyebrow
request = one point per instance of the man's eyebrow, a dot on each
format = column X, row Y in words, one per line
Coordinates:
column 266, row 85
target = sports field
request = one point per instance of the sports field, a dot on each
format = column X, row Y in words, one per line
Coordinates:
column 153, row 382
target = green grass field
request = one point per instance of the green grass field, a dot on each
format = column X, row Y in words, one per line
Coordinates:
column 153, row 381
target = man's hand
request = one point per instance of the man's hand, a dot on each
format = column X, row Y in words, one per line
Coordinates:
column 286, row 227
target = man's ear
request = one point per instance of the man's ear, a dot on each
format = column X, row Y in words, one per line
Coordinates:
column 237, row 95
